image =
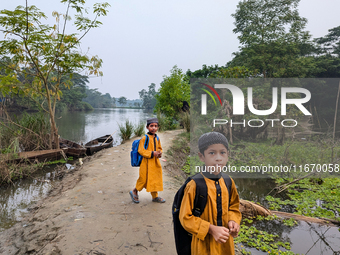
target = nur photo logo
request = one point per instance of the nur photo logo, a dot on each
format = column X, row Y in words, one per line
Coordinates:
column 302, row 96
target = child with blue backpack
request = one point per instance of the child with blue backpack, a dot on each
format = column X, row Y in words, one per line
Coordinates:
column 150, row 170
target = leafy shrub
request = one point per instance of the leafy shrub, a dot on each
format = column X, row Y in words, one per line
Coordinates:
column 166, row 123
column 86, row 106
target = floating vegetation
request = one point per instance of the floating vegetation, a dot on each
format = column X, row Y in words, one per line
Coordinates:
column 253, row 237
column 313, row 197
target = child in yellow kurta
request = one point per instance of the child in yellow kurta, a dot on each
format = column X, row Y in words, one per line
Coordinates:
column 150, row 170
column 212, row 232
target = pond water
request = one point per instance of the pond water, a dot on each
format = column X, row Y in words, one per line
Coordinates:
column 15, row 200
column 82, row 127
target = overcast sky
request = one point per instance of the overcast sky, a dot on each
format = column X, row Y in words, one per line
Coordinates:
column 140, row 41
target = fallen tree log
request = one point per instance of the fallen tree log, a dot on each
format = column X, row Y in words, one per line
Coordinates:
column 250, row 210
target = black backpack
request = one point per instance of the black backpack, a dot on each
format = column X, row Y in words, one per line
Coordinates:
column 182, row 237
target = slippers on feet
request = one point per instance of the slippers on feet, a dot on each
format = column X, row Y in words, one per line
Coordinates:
column 158, row 200
column 134, row 197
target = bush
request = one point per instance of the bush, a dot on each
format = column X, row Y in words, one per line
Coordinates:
column 86, row 106
column 126, row 130
column 166, row 123
column 140, row 129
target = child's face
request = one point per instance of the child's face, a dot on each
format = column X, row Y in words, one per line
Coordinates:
column 215, row 155
column 153, row 127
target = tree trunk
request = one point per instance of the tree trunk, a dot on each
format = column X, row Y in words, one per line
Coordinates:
column 250, row 210
column 54, row 134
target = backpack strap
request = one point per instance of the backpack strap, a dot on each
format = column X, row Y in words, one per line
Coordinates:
column 201, row 195
column 202, row 192
column 228, row 183
column 146, row 143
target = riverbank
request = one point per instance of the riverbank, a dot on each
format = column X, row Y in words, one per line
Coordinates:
column 91, row 212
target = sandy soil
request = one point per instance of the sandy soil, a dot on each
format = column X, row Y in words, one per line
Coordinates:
column 91, row 212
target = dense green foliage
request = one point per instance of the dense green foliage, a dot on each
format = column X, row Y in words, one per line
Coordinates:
column 327, row 54
column 174, row 90
column 221, row 72
column 272, row 37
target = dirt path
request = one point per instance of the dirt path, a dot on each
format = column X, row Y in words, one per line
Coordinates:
column 91, row 212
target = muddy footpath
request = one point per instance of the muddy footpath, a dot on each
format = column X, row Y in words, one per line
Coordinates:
column 90, row 211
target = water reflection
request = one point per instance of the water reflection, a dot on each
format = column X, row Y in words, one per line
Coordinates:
column 86, row 126
column 253, row 189
column 15, row 200
column 305, row 238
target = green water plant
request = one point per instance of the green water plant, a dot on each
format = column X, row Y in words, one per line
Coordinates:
column 126, row 130
column 313, row 197
column 139, row 129
column 252, row 237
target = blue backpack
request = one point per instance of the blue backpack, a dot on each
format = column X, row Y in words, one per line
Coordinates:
column 136, row 158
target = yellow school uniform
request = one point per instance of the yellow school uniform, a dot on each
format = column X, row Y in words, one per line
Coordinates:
column 214, row 212
column 150, row 170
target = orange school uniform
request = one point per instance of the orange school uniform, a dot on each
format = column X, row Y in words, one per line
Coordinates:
column 150, row 170
column 214, row 212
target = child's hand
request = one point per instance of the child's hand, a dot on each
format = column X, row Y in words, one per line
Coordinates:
column 220, row 234
column 157, row 154
column 234, row 228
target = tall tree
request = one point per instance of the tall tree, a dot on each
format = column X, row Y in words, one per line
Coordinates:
column 47, row 51
column 327, row 55
column 204, row 72
column 174, row 90
column 272, row 37
column 122, row 100
column 148, row 97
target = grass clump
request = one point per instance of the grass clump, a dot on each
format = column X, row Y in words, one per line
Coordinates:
column 179, row 154
column 139, row 129
column 30, row 132
column 126, row 130
column 10, row 171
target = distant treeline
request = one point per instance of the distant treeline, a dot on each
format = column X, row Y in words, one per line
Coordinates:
column 77, row 97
